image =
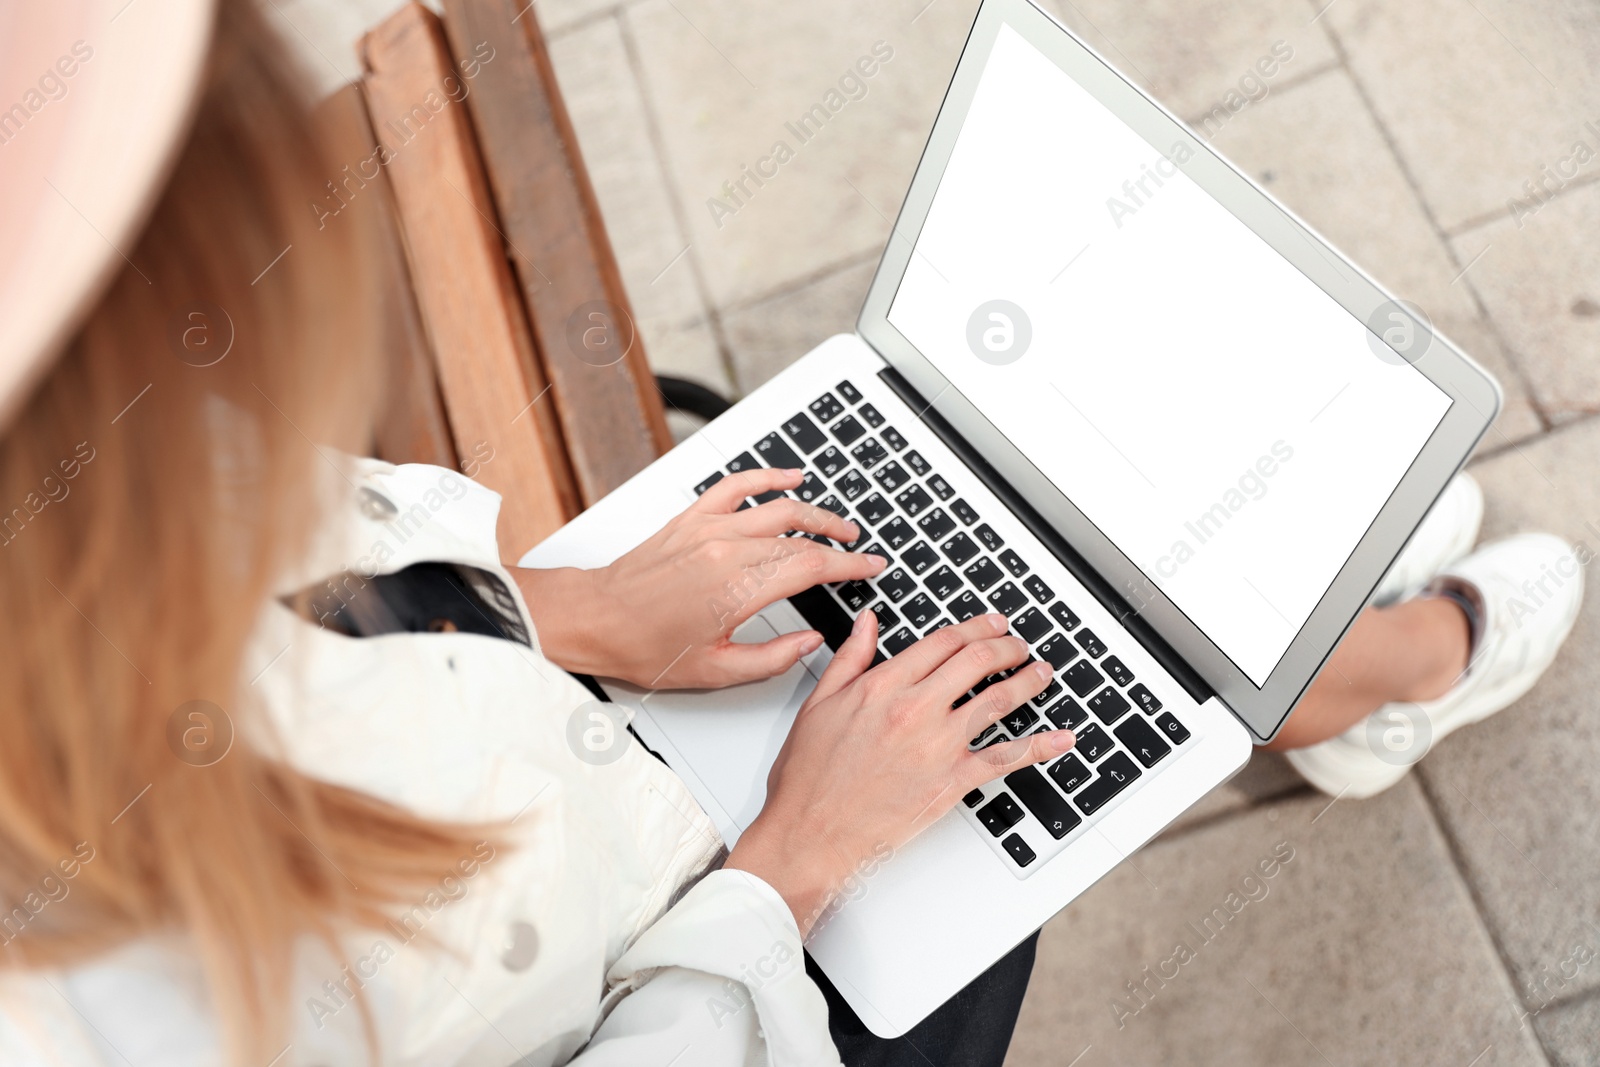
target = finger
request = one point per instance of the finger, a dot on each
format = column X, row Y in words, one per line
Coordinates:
column 1002, row 698
column 926, row 656
column 852, row 659
column 973, row 664
column 777, row 517
column 797, row 564
column 730, row 492
column 996, row 761
column 748, row 663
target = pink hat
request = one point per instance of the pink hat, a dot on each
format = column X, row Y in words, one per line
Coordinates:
column 95, row 99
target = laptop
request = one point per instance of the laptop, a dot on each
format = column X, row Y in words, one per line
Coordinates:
column 1106, row 385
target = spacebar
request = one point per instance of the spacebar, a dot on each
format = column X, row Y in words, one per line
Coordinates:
column 824, row 614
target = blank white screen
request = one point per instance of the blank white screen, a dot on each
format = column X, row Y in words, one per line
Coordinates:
column 1221, row 419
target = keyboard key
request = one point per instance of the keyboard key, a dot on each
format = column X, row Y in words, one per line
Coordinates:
column 875, row 509
column 983, row 573
column 869, row 453
column 1057, row 651
column 856, row 595
column 824, row 615
column 1068, row 772
column 988, row 731
column 1083, row 679
column 872, row 415
column 1040, row 591
column 1090, row 642
column 938, row 624
column 966, row 606
column 887, row 619
column 1031, row 625
column 936, row 524
column 1118, row 671
column 1174, row 729
column 851, row 546
column 1007, row 599
column 826, row 407
column 1140, row 738
column 1093, row 742
column 964, row 512
column 959, row 549
column 920, row 610
column 990, row 539
column 896, row 532
column 973, row 799
column 847, row 430
column 744, row 461
column 897, row 584
column 891, row 476
column 811, row 488
column 943, row 583
column 1000, row 814
column 1146, row 700
column 1018, row 850
column 852, row 484
column 1109, row 705
column 774, row 452
column 851, row 394
column 914, row 501
column 1048, row 806
column 1066, row 714
column 833, row 504
column 830, row 461
column 1013, row 563
column 899, row 641
column 940, row 487
column 803, row 432
column 1051, row 691
column 1065, row 616
column 1115, row 776
column 1019, row 721
column 700, row 489
column 769, row 495
column 914, row 460
column 919, row 557
column 892, row 438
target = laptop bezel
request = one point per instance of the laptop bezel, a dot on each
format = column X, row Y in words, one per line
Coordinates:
column 1474, row 394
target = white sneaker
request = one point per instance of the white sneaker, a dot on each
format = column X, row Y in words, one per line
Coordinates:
column 1528, row 590
column 1447, row 533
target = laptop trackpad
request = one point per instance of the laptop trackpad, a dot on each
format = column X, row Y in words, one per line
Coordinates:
column 729, row 738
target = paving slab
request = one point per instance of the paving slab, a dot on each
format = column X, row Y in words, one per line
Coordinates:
column 1540, row 279
column 1198, row 55
column 770, row 334
column 1479, row 95
column 1362, row 947
column 614, row 135
column 1519, row 793
column 1571, row 1033
column 729, row 84
column 558, row 16
column 1316, row 147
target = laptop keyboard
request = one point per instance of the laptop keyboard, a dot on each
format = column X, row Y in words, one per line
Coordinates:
column 946, row 564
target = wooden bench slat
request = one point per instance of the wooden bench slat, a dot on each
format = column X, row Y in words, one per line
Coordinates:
column 611, row 414
column 413, row 427
column 470, row 305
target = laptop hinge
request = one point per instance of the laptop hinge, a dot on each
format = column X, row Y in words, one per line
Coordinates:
column 1101, row 589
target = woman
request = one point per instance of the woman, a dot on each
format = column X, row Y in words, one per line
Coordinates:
column 278, row 786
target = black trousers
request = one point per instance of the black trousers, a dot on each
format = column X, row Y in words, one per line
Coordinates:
column 971, row 1029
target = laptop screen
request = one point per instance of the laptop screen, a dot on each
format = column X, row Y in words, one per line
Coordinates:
column 1226, row 424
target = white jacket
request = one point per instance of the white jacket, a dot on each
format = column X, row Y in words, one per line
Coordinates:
column 567, row 948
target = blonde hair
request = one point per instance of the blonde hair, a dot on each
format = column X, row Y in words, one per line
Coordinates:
column 149, row 498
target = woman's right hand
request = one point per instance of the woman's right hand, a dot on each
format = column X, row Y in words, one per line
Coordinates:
column 875, row 756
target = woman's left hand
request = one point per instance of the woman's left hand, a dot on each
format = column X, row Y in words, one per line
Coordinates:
column 663, row 615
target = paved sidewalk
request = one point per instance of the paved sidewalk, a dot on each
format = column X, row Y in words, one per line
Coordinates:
column 1451, row 147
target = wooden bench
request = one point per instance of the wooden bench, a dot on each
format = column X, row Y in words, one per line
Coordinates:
column 513, row 349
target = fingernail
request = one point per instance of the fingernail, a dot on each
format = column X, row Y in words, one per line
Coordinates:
column 997, row 622
column 812, row 642
column 1061, row 740
column 882, row 563
column 1043, row 671
column 855, row 530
